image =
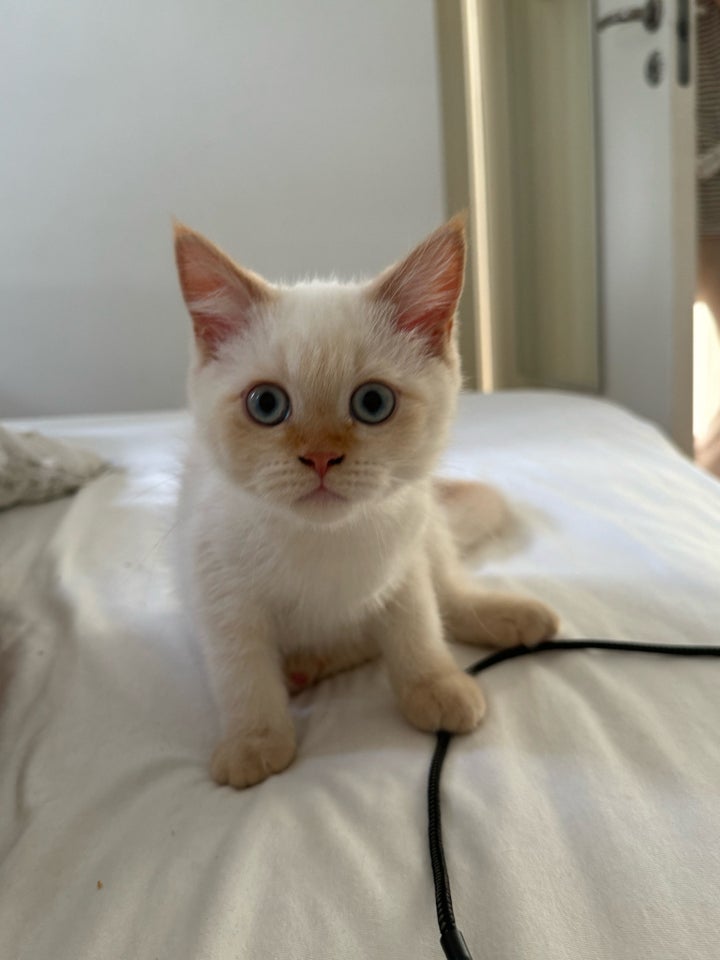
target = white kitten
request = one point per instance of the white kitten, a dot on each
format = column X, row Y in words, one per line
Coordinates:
column 312, row 533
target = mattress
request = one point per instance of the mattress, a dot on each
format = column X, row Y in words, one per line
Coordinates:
column 582, row 820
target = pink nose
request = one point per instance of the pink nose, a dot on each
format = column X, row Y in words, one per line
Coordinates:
column 321, row 461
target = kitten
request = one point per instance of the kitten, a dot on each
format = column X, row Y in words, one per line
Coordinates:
column 312, row 533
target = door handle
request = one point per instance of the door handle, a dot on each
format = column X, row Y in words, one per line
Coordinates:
column 649, row 14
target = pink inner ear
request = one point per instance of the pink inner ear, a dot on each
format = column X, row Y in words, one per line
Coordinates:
column 210, row 305
column 425, row 288
column 218, row 294
column 433, row 318
column 435, row 327
column 212, row 331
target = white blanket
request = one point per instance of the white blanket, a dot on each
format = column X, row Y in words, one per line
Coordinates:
column 582, row 821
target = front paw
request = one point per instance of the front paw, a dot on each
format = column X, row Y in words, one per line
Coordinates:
column 444, row 701
column 502, row 620
column 525, row 622
column 249, row 757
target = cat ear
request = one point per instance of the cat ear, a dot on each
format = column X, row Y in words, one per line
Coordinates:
column 423, row 290
column 219, row 295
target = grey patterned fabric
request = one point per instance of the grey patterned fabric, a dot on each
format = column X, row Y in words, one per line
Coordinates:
column 35, row 468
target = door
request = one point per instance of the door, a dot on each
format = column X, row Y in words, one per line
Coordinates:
column 646, row 170
column 584, row 234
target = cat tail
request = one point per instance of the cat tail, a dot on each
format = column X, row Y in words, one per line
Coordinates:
column 475, row 511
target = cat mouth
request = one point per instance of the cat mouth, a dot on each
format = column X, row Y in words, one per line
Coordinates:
column 322, row 495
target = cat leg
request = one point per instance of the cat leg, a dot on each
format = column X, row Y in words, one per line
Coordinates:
column 495, row 619
column 472, row 615
column 433, row 692
column 305, row 668
column 246, row 671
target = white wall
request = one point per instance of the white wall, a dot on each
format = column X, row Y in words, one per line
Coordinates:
column 302, row 135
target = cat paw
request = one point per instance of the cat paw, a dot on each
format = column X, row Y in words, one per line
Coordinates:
column 526, row 623
column 247, row 758
column 496, row 620
column 445, row 701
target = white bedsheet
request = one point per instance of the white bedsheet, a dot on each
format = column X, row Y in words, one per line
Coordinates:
column 582, row 820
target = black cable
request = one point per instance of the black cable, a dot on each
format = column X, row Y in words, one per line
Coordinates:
column 451, row 939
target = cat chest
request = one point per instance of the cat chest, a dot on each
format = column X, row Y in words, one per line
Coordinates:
column 335, row 579
column 320, row 583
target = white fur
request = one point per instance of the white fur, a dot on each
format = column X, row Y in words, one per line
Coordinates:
column 267, row 576
column 319, row 579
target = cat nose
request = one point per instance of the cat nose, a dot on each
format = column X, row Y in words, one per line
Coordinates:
column 321, row 461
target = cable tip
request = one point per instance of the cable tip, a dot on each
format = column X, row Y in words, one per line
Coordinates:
column 453, row 943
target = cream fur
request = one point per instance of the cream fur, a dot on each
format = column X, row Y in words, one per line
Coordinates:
column 276, row 582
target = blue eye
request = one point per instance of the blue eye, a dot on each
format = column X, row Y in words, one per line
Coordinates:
column 267, row 404
column 372, row 403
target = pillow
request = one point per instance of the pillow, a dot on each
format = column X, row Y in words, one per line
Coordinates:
column 35, row 468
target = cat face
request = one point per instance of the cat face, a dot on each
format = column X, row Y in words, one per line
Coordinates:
column 322, row 399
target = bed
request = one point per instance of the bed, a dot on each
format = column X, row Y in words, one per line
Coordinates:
column 582, row 820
